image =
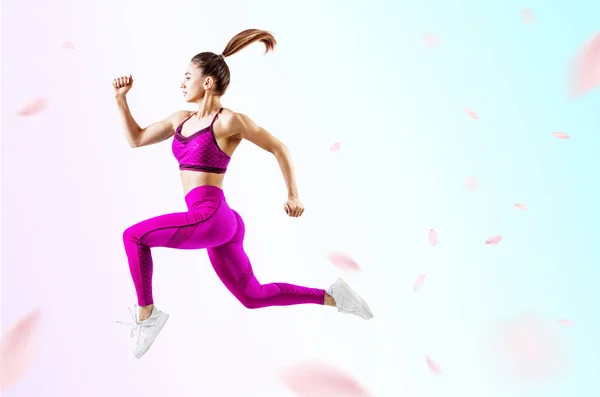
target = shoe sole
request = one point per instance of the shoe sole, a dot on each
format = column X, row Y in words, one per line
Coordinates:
column 154, row 334
column 356, row 296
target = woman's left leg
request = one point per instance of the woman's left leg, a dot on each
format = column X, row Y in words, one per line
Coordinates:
column 235, row 271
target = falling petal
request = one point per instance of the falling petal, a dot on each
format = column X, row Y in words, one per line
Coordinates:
column 315, row 379
column 527, row 15
column 18, row 348
column 343, row 261
column 585, row 69
column 560, row 135
column 472, row 183
column 34, row 106
column 564, row 321
column 431, row 40
column 418, row 282
column 335, row 147
column 433, row 237
column 521, row 207
column 493, row 240
column 470, row 113
column 433, row 366
column 68, row 45
column 528, row 349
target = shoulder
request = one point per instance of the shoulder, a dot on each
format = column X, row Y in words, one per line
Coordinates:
column 179, row 116
column 235, row 123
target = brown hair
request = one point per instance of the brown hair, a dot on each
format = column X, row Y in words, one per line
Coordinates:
column 214, row 65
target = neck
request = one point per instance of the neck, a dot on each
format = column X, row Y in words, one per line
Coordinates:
column 208, row 105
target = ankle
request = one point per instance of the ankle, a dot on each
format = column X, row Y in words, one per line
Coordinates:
column 145, row 312
column 329, row 301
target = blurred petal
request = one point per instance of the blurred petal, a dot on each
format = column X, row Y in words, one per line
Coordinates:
column 472, row 183
column 470, row 113
column 315, row 379
column 527, row 15
column 560, row 135
column 335, row 147
column 418, row 282
column 493, row 240
column 585, row 69
column 527, row 348
column 34, row 106
column 433, row 237
column 343, row 261
column 433, row 366
column 18, row 349
column 431, row 40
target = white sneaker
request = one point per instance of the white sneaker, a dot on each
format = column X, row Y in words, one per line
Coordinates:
column 145, row 332
column 348, row 301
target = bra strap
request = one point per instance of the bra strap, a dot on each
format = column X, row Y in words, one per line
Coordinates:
column 216, row 116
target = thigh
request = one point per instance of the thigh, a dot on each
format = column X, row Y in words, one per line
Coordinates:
column 207, row 225
column 230, row 260
column 161, row 231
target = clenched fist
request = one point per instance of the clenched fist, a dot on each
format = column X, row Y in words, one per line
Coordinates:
column 122, row 85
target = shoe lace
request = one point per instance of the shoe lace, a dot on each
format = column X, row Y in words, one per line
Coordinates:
column 136, row 326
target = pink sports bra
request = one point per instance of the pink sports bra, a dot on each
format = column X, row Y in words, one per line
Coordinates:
column 200, row 151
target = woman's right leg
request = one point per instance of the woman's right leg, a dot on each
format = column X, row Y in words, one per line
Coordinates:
column 207, row 223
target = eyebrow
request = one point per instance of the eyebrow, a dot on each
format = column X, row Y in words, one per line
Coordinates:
column 188, row 73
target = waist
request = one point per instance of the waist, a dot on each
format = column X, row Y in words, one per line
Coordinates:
column 204, row 192
column 192, row 179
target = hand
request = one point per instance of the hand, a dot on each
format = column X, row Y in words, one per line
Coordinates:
column 293, row 207
column 122, row 85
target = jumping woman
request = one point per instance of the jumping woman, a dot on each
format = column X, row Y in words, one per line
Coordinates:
column 203, row 143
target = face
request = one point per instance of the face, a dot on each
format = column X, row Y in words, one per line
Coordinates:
column 195, row 85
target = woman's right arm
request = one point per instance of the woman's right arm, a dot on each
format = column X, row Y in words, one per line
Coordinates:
column 154, row 133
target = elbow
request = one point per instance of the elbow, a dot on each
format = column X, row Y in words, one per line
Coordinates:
column 280, row 149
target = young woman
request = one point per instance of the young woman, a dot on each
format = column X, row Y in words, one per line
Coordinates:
column 203, row 143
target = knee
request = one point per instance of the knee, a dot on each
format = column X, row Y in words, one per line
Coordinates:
column 248, row 299
column 249, row 302
column 130, row 235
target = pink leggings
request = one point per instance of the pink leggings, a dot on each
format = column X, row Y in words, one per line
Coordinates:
column 209, row 223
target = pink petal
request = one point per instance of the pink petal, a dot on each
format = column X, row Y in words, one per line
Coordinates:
column 472, row 183
column 343, row 261
column 433, row 237
column 34, row 106
column 493, row 240
column 433, row 366
column 335, row 147
column 585, row 69
column 521, row 207
column 528, row 349
column 315, row 379
column 564, row 321
column 470, row 113
column 68, row 45
column 418, row 282
column 431, row 40
column 18, row 348
column 560, row 135
column 527, row 15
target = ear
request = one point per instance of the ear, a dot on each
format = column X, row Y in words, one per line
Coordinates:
column 209, row 82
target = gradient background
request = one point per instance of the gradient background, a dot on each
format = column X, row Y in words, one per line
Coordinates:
column 350, row 71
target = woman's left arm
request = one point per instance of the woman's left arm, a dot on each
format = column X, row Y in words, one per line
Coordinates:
column 247, row 129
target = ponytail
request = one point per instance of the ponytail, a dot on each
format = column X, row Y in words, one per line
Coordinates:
column 247, row 37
